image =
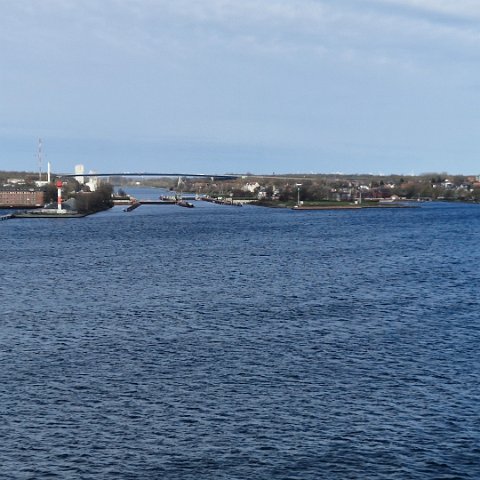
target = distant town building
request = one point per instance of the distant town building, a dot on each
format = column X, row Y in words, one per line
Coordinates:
column 16, row 181
column 251, row 187
column 92, row 183
column 41, row 183
column 18, row 198
column 79, row 171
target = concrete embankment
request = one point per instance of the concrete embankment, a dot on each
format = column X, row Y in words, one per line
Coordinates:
column 49, row 215
column 350, row 207
column 327, row 207
column 232, row 203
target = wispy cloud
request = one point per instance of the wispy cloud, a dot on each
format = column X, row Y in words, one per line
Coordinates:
column 374, row 29
column 467, row 9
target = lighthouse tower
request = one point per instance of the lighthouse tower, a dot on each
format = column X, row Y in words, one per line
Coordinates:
column 59, row 197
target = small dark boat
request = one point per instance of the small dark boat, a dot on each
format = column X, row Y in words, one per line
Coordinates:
column 184, row 203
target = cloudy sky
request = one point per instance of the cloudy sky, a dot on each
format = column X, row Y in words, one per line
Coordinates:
column 217, row 86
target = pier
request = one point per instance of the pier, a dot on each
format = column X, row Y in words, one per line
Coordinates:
column 157, row 202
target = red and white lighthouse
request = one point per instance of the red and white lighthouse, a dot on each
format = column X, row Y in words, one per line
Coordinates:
column 59, row 198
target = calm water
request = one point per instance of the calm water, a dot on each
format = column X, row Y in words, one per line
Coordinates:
column 241, row 343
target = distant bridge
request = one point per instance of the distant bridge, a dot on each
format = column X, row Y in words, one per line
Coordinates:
column 232, row 176
column 145, row 174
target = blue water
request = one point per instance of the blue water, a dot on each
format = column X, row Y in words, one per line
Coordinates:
column 241, row 343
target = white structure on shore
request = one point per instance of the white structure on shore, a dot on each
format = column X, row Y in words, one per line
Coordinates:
column 92, row 181
column 79, row 171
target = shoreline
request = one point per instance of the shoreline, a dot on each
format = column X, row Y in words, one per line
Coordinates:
column 49, row 215
column 350, row 207
column 52, row 214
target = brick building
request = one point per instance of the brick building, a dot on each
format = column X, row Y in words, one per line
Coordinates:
column 16, row 198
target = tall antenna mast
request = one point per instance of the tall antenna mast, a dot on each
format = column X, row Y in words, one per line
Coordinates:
column 40, row 159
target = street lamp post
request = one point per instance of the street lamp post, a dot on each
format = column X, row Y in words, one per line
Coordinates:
column 298, row 193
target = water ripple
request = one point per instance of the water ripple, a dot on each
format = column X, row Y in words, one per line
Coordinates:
column 241, row 343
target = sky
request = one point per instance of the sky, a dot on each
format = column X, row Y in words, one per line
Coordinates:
column 241, row 86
